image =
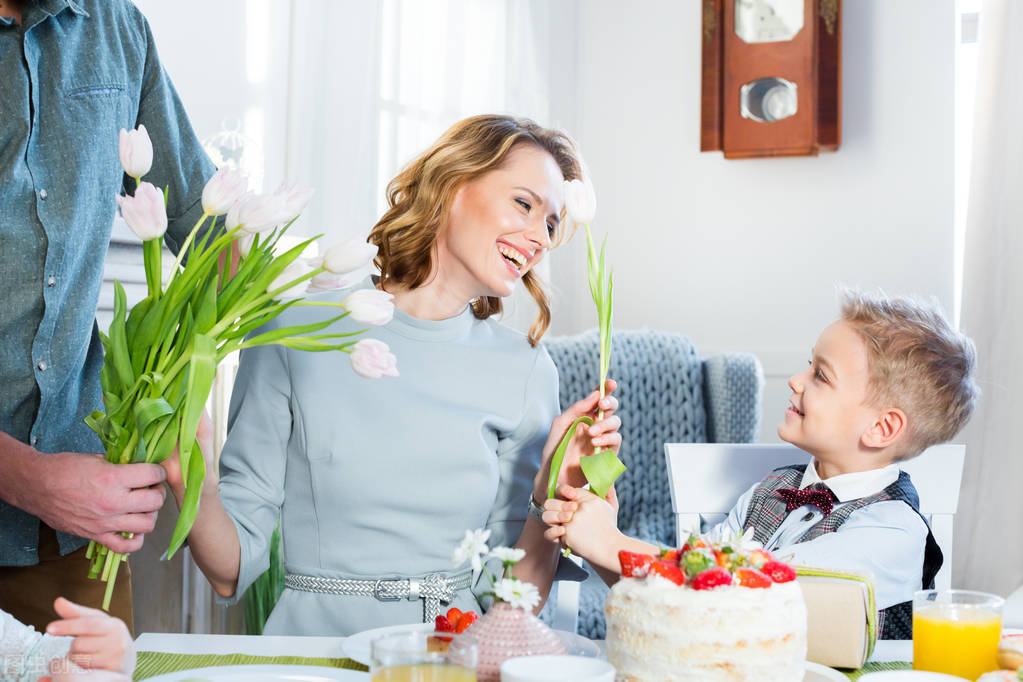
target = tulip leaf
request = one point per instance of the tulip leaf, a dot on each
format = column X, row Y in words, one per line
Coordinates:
column 118, row 352
column 190, row 504
column 202, row 370
column 601, row 470
column 206, row 308
column 559, row 455
column 147, row 412
column 275, row 335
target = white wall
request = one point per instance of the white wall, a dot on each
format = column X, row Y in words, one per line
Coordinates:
column 744, row 254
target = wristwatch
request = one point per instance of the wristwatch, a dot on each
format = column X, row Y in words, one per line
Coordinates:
column 536, row 511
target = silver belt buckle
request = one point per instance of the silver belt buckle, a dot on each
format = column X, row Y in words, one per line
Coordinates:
column 379, row 596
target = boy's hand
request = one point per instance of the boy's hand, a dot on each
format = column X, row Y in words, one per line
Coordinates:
column 101, row 641
column 586, row 524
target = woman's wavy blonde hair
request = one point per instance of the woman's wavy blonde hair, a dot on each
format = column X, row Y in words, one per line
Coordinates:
column 419, row 199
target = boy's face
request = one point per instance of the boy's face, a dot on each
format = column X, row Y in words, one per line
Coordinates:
column 828, row 413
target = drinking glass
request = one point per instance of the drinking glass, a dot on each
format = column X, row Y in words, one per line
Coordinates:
column 956, row 632
column 418, row 656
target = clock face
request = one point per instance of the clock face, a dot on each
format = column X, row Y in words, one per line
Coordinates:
column 768, row 21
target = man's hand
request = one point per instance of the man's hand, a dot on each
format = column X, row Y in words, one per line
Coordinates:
column 83, row 494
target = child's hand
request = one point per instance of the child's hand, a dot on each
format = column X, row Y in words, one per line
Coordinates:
column 586, row 524
column 101, row 641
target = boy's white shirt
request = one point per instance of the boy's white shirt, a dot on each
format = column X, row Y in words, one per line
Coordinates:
column 885, row 539
column 26, row 654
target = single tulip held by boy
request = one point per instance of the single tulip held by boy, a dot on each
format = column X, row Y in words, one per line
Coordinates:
column 162, row 354
column 603, row 468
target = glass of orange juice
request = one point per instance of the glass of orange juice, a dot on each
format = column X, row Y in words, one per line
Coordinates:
column 956, row 632
column 422, row 656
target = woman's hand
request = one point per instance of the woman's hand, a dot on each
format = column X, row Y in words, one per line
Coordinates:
column 204, row 436
column 603, row 435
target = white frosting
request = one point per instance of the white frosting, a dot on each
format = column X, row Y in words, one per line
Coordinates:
column 657, row 630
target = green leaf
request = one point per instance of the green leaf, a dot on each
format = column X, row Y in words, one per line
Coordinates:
column 206, row 307
column 202, row 370
column 147, row 412
column 276, row 335
column 190, row 505
column 559, row 455
column 117, row 353
column 602, row 469
column 591, row 266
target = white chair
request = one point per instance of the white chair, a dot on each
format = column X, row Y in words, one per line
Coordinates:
column 706, row 479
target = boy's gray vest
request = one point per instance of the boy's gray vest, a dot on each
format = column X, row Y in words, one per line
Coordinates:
column 767, row 511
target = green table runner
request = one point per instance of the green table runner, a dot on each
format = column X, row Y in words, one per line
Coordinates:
column 877, row 667
column 152, row 663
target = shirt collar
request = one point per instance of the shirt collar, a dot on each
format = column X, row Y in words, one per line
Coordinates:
column 853, row 486
column 54, row 7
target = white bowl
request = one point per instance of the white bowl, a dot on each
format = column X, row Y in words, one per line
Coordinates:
column 556, row 669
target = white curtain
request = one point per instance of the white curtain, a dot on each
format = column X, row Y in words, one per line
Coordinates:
column 989, row 526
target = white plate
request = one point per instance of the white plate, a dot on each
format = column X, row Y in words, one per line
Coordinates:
column 356, row 647
column 264, row 673
column 815, row 672
column 910, row 676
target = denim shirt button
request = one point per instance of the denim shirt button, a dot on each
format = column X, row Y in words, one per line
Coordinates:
column 33, row 440
column 42, row 365
column 43, row 194
column 51, row 281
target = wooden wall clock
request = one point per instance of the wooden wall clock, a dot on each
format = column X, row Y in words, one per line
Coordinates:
column 771, row 77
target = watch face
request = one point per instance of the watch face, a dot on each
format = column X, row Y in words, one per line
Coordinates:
column 768, row 21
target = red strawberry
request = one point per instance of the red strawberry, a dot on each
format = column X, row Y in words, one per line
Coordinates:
column 467, row 619
column 711, row 578
column 442, row 624
column 671, row 555
column 751, row 577
column 453, row 615
column 669, row 570
column 634, row 565
column 779, row 572
column 759, row 557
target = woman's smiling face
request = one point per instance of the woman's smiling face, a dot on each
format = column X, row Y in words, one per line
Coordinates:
column 501, row 223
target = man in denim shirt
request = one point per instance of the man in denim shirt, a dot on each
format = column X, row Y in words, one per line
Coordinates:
column 72, row 74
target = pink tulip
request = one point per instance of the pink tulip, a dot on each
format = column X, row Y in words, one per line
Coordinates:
column 223, row 190
column 373, row 359
column 370, row 306
column 136, row 151
column 145, row 212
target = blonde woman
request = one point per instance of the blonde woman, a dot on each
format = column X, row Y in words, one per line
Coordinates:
column 377, row 481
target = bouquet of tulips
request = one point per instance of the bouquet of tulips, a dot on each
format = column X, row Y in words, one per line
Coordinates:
column 162, row 354
column 603, row 468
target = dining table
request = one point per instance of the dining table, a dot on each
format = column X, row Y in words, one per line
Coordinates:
column 159, row 653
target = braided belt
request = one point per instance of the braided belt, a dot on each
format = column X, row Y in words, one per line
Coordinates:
column 432, row 589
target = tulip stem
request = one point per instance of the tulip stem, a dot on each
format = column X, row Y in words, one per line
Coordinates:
column 184, row 247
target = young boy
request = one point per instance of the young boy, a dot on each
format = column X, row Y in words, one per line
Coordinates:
column 887, row 380
column 84, row 644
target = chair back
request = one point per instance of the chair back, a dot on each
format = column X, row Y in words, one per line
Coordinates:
column 706, row 479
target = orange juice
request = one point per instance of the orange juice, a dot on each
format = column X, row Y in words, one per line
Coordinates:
column 956, row 639
column 424, row 672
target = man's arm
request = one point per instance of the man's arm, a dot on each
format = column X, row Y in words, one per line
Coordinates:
column 82, row 494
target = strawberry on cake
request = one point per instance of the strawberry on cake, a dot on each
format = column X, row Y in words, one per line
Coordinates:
column 706, row 612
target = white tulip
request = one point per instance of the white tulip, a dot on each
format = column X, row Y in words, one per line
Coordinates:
column 370, row 306
column 136, row 151
column 580, row 201
column 348, row 256
column 222, row 191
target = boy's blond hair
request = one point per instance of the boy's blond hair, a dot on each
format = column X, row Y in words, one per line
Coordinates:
column 917, row 363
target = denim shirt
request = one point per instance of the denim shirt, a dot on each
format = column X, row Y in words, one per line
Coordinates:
column 72, row 74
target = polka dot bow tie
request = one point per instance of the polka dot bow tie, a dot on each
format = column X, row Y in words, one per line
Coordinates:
column 818, row 495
